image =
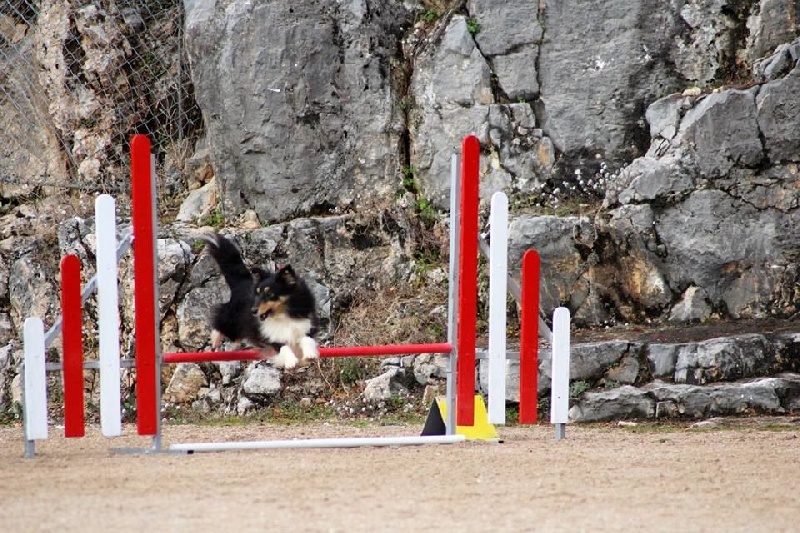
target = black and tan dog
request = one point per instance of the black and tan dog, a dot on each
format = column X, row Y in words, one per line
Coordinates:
column 267, row 309
column 286, row 311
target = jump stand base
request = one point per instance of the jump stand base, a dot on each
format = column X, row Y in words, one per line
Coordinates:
column 480, row 430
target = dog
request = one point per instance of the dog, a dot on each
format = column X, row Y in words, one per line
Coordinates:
column 234, row 319
column 287, row 314
column 273, row 310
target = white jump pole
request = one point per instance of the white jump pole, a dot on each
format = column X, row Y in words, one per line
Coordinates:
column 559, row 389
column 498, row 275
column 108, row 315
column 452, row 292
column 314, row 443
column 34, row 384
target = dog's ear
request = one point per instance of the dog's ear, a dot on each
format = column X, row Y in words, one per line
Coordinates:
column 286, row 273
column 259, row 274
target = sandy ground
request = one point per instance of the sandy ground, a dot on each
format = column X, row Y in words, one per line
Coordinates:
column 598, row 479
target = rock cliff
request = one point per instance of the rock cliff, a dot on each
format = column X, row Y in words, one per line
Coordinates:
column 650, row 153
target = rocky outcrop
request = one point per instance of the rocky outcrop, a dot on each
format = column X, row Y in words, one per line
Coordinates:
column 300, row 118
column 723, row 376
column 700, row 226
column 650, row 154
column 769, row 396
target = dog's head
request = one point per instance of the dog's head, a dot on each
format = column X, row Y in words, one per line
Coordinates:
column 273, row 291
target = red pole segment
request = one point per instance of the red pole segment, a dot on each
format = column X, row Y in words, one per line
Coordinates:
column 468, row 274
column 337, row 351
column 144, row 279
column 387, row 349
column 529, row 339
column 72, row 349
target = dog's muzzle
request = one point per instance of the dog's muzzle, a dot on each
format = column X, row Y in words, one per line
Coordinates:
column 261, row 316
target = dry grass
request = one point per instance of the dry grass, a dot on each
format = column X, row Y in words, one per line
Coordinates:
column 396, row 315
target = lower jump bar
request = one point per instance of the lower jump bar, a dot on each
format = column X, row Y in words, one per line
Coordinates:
column 315, row 443
column 336, row 351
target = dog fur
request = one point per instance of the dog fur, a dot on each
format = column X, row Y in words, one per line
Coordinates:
column 266, row 309
column 233, row 320
column 286, row 310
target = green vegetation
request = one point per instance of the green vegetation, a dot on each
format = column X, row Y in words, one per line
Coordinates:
column 215, row 219
column 576, row 388
column 351, row 371
column 426, row 211
column 473, row 26
column 512, row 415
column 410, row 179
column 430, row 15
column 286, row 412
column 198, row 246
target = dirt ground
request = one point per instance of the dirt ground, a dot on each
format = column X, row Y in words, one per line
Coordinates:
column 600, row 478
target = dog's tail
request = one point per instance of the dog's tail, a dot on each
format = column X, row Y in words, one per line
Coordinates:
column 228, row 258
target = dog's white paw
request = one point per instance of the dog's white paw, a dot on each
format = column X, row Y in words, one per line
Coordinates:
column 285, row 358
column 216, row 339
column 308, row 348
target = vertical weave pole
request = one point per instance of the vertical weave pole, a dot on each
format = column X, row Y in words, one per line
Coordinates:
column 452, row 292
column 468, row 275
column 72, row 352
column 559, row 389
column 144, row 266
column 108, row 315
column 529, row 339
column 34, row 384
column 498, row 276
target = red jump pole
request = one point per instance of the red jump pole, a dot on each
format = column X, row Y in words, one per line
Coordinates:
column 529, row 339
column 337, row 351
column 72, row 349
column 468, row 274
column 144, row 266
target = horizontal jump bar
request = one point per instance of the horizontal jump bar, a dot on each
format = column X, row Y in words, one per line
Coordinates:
column 353, row 442
column 337, row 351
column 221, row 356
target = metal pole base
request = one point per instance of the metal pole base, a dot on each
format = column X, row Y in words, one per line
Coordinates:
column 561, row 431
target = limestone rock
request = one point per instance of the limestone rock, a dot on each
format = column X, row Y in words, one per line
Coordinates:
column 615, row 404
column 511, row 47
column 693, row 306
column 198, row 203
column 185, row 384
column 723, row 130
column 317, row 128
column 764, row 396
column 429, row 368
column 261, row 382
column 777, row 65
column 385, row 386
column 779, row 119
column 725, row 359
column 584, row 76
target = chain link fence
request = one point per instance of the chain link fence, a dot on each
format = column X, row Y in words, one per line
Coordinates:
column 78, row 79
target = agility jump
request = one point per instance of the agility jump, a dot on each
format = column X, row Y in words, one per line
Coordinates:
column 460, row 346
